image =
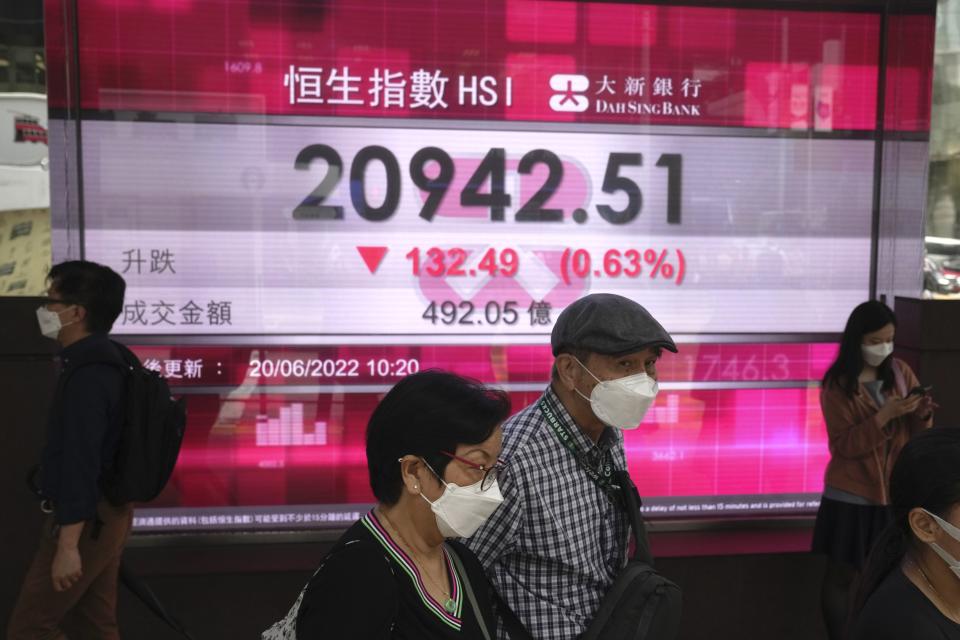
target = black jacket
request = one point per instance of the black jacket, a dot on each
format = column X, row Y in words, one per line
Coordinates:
column 83, row 428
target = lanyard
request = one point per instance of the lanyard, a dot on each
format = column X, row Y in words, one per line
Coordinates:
column 602, row 476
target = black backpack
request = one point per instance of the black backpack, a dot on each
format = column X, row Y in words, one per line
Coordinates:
column 151, row 432
column 641, row 604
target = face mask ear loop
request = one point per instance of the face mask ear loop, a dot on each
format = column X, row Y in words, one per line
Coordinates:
column 69, row 323
column 60, row 313
column 438, row 476
column 945, row 526
column 580, row 393
column 429, row 501
column 585, row 368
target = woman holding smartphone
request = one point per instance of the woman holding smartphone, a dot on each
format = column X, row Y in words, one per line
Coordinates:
column 870, row 415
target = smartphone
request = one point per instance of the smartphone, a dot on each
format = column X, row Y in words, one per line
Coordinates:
column 921, row 390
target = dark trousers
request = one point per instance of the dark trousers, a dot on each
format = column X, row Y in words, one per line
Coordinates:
column 88, row 609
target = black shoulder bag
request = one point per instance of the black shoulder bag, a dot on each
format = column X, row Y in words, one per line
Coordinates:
column 641, row 604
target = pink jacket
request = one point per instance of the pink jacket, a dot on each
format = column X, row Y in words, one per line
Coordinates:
column 863, row 450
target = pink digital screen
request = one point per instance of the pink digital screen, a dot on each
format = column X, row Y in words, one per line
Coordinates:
column 274, row 448
column 282, row 441
column 310, row 200
column 493, row 61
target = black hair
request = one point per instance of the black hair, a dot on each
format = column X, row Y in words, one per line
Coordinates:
column 95, row 287
column 927, row 475
column 845, row 371
column 424, row 414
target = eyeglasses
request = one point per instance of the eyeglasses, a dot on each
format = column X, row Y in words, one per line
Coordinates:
column 47, row 301
column 490, row 474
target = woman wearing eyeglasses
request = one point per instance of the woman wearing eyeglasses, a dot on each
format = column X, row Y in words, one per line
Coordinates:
column 432, row 447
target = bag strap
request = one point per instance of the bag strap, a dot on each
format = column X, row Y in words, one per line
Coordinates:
column 32, row 483
column 458, row 564
column 631, row 502
column 127, row 355
column 901, row 387
column 122, row 363
column 899, row 380
column 146, row 595
column 515, row 628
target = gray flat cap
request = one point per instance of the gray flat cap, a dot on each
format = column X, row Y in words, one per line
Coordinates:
column 608, row 324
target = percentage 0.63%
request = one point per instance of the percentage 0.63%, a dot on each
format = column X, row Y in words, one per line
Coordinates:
column 457, row 262
column 632, row 263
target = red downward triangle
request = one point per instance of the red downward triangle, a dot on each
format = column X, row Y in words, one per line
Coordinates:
column 372, row 256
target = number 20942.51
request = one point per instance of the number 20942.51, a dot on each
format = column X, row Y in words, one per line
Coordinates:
column 492, row 168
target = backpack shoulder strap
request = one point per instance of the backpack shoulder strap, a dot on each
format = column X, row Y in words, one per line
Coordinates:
column 126, row 355
column 124, row 360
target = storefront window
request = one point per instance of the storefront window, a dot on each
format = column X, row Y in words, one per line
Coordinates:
column 942, row 264
column 25, row 254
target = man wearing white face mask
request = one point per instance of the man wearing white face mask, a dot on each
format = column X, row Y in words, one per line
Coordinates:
column 556, row 545
column 71, row 587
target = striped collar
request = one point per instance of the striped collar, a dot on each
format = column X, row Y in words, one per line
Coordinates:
column 453, row 620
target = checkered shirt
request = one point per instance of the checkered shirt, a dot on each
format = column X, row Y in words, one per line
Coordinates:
column 555, row 545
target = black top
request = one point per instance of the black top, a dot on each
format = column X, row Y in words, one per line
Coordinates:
column 83, row 428
column 368, row 588
column 898, row 610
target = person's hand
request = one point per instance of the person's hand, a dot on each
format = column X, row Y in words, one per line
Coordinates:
column 926, row 406
column 67, row 568
column 897, row 406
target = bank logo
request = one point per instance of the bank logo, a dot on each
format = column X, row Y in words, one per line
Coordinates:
column 569, row 90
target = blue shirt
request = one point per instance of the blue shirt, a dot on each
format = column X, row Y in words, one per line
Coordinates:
column 556, row 544
column 83, row 429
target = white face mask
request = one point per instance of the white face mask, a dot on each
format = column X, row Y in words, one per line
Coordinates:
column 875, row 354
column 460, row 511
column 623, row 402
column 49, row 322
column 954, row 533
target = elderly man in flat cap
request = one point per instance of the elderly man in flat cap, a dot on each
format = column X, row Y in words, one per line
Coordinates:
column 558, row 541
